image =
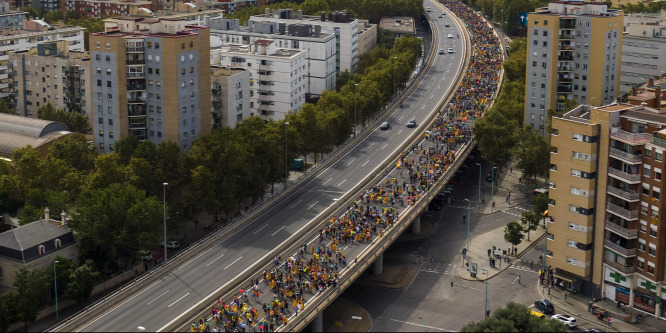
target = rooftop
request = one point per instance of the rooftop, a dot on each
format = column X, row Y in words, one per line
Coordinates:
column 17, row 132
column 225, row 71
column 20, row 244
column 578, row 8
column 401, row 25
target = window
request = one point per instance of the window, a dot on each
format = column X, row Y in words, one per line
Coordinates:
column 650, row 268
column 653, row 230
column 57, row 243
column 641, row 245
column 108, row 45
column 111, row 122
column 191, row 69
column 182, row 45
column 101, row 133
column 150, row 45
column 658, row 156
column 641, row 263
column 652, row 250
column 157, row 45
column 182, row 71
column 656, row 194
column 657, row 175
column 646, row 170
column 191, row 44
column 572, row 261
column 646, row 190
column 643, row 227
column 111, row 135
column 41, row 249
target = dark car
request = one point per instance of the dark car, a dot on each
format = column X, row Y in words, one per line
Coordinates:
column 411, row 123
column 544, row 306
column 434, row 206
column 385, row 125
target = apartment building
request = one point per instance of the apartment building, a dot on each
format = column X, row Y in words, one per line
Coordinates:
column 230, row 96
column 340, row 24
column 104, row 8
column 606, row 234
column 399, row 26
column 367, row 36
column 188, row 13
column 50, row 73
column 11, row 18
column 574, row 51
column 150, row 80
column 46, row 5
column 643, row 49
column 29, row 36
column 320, row 46
column 278, row 75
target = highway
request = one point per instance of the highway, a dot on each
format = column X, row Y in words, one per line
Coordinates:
column 208, row 273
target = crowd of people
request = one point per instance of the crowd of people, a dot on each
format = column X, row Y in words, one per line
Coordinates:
column 317, row 266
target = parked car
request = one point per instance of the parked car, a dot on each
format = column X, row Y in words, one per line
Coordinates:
column 144, row 255
column 385, row 125
column 543, row 190
column 566, row 320
column 411, row 123
column 173, row 244
column 434, row 206
column 544, row 306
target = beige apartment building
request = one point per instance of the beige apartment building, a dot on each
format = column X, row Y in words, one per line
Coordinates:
column 606, row 236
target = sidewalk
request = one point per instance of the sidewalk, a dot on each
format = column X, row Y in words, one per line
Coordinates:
column 576, row 305
column 507, row 181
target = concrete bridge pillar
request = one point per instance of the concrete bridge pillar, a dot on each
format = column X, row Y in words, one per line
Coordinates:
column 317, row 324
column 416, row 225
column 378, row 265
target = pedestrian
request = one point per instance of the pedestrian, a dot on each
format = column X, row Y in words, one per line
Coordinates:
column 548, row 291
column 518, row 279
column 565, row 296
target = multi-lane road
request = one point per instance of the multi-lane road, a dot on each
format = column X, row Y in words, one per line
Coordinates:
column 209, row 272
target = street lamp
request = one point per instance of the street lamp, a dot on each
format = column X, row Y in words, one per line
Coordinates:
column 286, row 158
column 395, row 60
column 492, row 188
column 355, row 85
column 485, row 312
column 469, row 203
column 479, row 204
column 545, row 241
column 422, row 320
column 164, row 185
column 55, row 285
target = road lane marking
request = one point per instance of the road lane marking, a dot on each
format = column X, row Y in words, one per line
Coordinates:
column 177, row 300
column 372, row 144
column 423, row 107
column 420, row 325
column 294, row 205
column 256, row 232
column 327, row 181
column 273, row 234
column 439, row 87
column 342, row 182
column 316, row 202
column 431, row 96
column 235, row 261
column 385, row 146
column 154, row 299
column 214, row 260
column 350, row 162
column 400, row 117
column 400, row 132
column 337, row 192
column 366, row 162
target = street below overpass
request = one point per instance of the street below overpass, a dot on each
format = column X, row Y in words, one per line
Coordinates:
column 210, row 272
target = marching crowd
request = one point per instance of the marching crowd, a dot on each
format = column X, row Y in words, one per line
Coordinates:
column 317, row 266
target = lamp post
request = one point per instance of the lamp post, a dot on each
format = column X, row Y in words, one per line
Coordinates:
column 485, row 312
column 355, row 85
column 545, row 241
column 469, row 204
column 479, row 203
column 286, row 156
column 395, row 59
column 492, row 188
column 164, row 185
column 55, row 285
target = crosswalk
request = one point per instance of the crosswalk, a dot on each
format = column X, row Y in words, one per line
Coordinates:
column 515, row 214
column 438, row 268
column 524, row 265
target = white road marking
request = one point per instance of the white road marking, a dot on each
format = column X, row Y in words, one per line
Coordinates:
column 177, row 300
column 338, row 192
column 372, row 144
column 327, row 181
column 214, row 260
column 154, row 299
column 294, row 205
column 385, row 146
column 431, row 96
column 423, row 107
column 273, row 234
column 256, row 232
column 439, row 87
column 316, row 202
column 235, row 261
column 342, row 182
column 366, row 162
column 350, row 162
column 420, row 325
column 400, row 132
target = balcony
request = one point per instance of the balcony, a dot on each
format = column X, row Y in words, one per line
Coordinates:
column 566, row 36
column 620, row 230
column 619, row 249
column 135, row 62
column 628, row 215
column 132, row 87
column 631, row 178
column 631, row 138
column 136, row 74
column 625, row 156
column 565, row 58
column 564, row 88
column 659, row 141
column 134, row 49
column 626, row 195
column 621, row 268
column 567, row 24
column 565, row 68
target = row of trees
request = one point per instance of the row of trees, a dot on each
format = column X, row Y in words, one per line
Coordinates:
column 514, row 232
column 507, row 11
column 372, row 10
column 75, row 122
column 514, row 317
column 33, row 287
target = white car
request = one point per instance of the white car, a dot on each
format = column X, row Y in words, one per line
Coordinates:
column 441, row 51
column 450, row 36
column 173, row 244
column 144, row 255
column 566, row 320
column 450, row 50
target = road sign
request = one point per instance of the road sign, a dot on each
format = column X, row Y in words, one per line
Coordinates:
column 523, row 18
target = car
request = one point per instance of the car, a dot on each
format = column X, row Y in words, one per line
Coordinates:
column 448, row 188
column 450, row 36
column 385, row 125
column 491, row 178
column 543, row 190
column 411, row 123
column 440, row 15
column 144, row 255
column 446, row 25
column 593, row 330
column 443, row 13
column 450, row 50
column 441, row 51
column 434, row 206
column 429, row 9
column 173, row 244
column 452, row 182
column 566, row 320
column 544, row 306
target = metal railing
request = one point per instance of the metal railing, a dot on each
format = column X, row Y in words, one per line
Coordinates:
column 619, row 249
column 627, row 195
column 659, row 141
column 632, row 138
column 631, row 177
column 621, row 154
column 622, row 268
column 620, row 230
column 625, row 213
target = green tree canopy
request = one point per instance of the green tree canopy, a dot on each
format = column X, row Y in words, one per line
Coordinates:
column 513, row 233
column 530, row 221
column 82, row 281
column 495, row 135
column 30, row 287
column 75, row 122
column 532, row 152
column 514, row 317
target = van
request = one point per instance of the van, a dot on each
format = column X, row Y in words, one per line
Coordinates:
column 543, row 190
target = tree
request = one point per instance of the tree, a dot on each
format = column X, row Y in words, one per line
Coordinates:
column 63, row 269
column 494, row 134
column 532, row 152
column 514, row 317
column 513, row 233
column 107, row 171
column 76, row 151
column 7, row 309
column 530, row 221
column 540, row 203
column 82, row 281
column 5, row 107
column 74, row 122
column 115, row 222
column 30, row 286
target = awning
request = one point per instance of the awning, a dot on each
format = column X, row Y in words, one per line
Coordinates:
column 563, row 278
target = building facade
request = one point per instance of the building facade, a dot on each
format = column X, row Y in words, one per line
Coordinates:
column 52, row 74
column 643, row 49
column 11, row 18
column 340, row 24
column 150, row 80
column 278, row 76
column 367, row 36
column 33, row 33
column 230, row 93
column 320, row 46
column 574, row 52
column 104, row 8
column 606, row 234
